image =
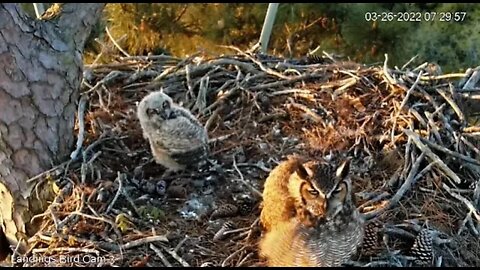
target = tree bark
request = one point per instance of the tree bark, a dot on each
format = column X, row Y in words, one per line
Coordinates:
column 40, row 77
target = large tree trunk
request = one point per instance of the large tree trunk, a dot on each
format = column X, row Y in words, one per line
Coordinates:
column 40, row 74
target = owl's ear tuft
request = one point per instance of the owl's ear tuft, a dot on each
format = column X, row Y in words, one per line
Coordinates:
column 302, row 171
column 344, row 169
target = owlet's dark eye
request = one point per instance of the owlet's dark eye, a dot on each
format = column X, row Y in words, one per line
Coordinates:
column 150, row 112
column 314, row 192
column 165, row 105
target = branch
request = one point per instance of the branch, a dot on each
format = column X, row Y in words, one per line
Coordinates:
column 424, row 148
column 406, row 186
column 75, row 20
column 464, row 200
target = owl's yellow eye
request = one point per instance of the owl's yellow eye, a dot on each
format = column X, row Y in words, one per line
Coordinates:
column 314, row 192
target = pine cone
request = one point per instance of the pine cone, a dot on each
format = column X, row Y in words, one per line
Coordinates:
column 371, row 238
column 422, row 248
column 245, row 208
column 224, row 210
column 315, row 59
column 219, row 235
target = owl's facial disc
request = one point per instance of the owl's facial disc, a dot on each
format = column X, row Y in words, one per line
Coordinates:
column 162, row 110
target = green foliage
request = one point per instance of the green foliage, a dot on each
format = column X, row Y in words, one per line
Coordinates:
column 453, row 45
column 183, row 28
column 29, row 9
column 299, row 28
column 306, row 26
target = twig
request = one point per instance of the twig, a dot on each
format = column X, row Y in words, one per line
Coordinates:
column 450, row 152
column 220, row 138
column 227, row 95
column 236, row 230
column 418, row 117
column 398, row 231
column 202, row 68
column 176, row 257
column 463, row 225
column 472, row 81
column 406, row 159
column 441, row 77
column 146, row 240
column 315, row 117
column 452, row 103
column 230, row 257
column 212, row 118
column 201, row 100
column 15, row 251
column 65, row 249
column 433, row 127
column 258, row 193
column 48, row 171
column 160, row 254
column 259, row 166
column 406, row 186
column 342, row 89
column 386, row 73
column 425, row 170
column 464, row 200
column 329, row 56
column 119, row 191
column 382, row 264
column 101, row 244
column 418, row 142
column 81, row 123
column 404, row 102
column 161, row 57
column 289, row 91
column 252, row 226
column 248, row 256
column 374, row 200
column 308, row 76
column 115, row 42
column 181, row 243
column 111, row 223
column 409, row 61
column 262, row 67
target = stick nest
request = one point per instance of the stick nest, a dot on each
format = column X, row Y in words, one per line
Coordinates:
column 409, row 130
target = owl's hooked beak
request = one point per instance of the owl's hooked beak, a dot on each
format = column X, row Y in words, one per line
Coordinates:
column 167, row 113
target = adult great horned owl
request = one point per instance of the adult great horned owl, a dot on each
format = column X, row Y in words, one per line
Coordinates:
column 286, row 184
column 328, row 237
column 176, row 137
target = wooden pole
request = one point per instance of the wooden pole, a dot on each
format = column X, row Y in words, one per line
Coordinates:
column 267, row 26
column 39, row 9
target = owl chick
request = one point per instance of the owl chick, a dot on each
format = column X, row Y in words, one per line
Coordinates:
column 336, row 232
column 176, row 137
